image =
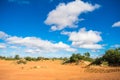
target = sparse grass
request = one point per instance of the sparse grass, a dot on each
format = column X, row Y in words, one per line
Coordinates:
column 105, row 63
column 36, row 67
column 22, row 61
column 110, row 58
column 98, row 69
column 65, row 62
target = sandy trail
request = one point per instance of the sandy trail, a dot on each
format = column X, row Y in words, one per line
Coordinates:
column 49, row 70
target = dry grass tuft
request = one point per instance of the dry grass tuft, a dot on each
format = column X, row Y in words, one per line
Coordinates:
column 98, row 69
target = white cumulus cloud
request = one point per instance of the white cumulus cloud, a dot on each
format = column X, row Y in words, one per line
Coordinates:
column 116, row 24
column 3, row 35
column 35, row 45
column 85, row 39
column 33, row 51
column 67, row 15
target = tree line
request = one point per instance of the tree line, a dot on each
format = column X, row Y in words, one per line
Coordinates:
column 110, row 58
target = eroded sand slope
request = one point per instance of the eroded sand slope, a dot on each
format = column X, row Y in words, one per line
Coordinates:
column 50, row 70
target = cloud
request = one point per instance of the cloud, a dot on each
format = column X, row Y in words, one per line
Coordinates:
column 85, row 39
column 13, row 47
column 116, row 24
column 3, row 35
column 35, row 45
column 2, row 46
column 33, row 51
column 67, row 15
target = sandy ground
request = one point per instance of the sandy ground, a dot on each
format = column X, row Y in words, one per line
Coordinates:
column 49, row 70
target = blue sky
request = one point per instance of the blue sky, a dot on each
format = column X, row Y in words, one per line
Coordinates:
column 55, row 28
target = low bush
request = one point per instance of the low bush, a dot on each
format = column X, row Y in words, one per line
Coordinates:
column 111, row 58
column 75, row 58
column 17, row 57
column 97, row 61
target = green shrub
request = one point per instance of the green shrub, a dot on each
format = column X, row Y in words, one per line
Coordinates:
column 40, row 58
column 97, row 61
column 17, row 57
column 111, row 57
column 74, row 57
column 66, row 61
column 87, row 54
column 2, row 57
column 28, row 58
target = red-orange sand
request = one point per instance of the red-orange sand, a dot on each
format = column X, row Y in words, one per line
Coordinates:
column 49, row 70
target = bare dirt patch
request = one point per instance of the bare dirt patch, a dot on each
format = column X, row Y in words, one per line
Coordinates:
column 52, row 70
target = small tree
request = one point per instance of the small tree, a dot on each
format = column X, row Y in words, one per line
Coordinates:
column 87, row 54
column 98, row 61
column 112, row 56
column 75, row 57
column 17, row 57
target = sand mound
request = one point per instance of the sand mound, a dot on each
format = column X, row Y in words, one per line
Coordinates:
column 54, row 70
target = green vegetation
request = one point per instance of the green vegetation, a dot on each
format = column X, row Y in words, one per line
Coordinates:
column 30, row 59
column 75, row 58
column 110, row 58
column 17, row 57
column 87, row 54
